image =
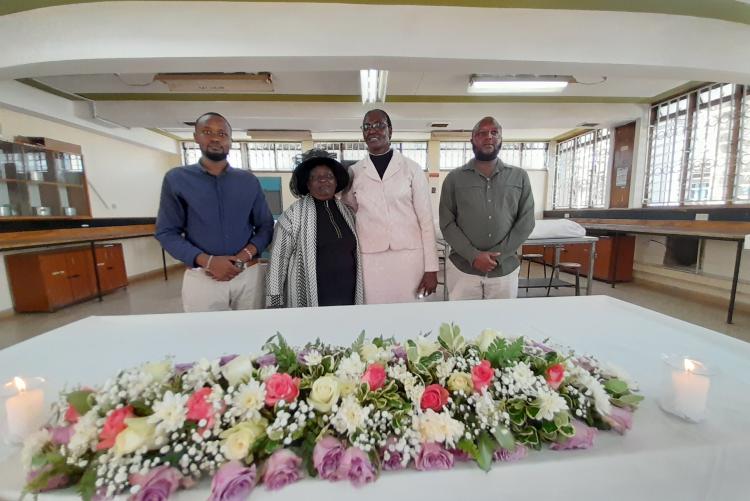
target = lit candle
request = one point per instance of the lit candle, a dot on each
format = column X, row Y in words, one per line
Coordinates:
column 24, row 411
column 690, row 390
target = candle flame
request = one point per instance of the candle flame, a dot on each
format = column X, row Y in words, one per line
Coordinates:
column 19, row 383
column 690, row 365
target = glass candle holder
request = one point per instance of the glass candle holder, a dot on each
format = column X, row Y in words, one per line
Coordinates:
column 685, row 390
column 22, row 408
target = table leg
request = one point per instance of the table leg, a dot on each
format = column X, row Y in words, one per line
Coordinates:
column 735, row 278
column 96, row 272
column 613, row 267
column 592, row 260
column 164, row 262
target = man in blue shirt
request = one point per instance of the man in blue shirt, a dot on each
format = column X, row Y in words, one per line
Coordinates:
column 215, row 219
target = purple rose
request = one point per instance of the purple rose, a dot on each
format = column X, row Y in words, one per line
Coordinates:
column 265, row 360
column 459, row 455
column 505, row 455
column 583, row 439
column 327, row 456
column 621, row 420
column 156, row 485
column 399, row 351
column 60, row 435
column 181, row 368
column 233, row 482
column 282, row 468
column 434, row 457
column 54, row 482
column 226, row 359
column 356, row 466
column 541, row 346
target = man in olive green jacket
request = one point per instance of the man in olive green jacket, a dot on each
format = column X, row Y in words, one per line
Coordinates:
column 486, row 214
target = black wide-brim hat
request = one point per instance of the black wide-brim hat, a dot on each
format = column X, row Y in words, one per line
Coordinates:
column 307, row 162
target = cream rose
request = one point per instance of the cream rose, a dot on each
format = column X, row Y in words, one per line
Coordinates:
column 486, row 338
column 138, row 433
column 324, row 393
column 159, row 371
column 460, row 381
column 238, row 440
column 426, row 347
column 369, row 352
column 238, row 370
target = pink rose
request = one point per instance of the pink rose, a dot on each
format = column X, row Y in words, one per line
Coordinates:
column 327, row 456
column 61, row 434
column 281, row 469
column 356, row 466
column 114, row 424
column 199, row 407
column 434, row 397
column 619, row 419
column 281, row 387
column 54, row 482
column 434, row 457
column 233, row 482
column 583, row 439
column 555, row 375
column 71, row 415
column 481, row 375
column 156, row 485
column 374, row 376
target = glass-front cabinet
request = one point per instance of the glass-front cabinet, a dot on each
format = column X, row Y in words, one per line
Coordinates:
column 40, row 181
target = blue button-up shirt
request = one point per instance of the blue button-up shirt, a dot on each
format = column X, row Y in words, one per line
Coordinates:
column 218, row 215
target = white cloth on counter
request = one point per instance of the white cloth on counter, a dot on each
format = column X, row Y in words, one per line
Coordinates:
column 556, row 228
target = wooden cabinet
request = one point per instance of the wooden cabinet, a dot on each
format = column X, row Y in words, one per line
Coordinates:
column 606, row 267
column 48, row 280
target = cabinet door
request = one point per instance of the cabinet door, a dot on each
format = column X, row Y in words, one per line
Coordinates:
column 111, row 266
column 117, row 266
column 81, row 274
column 55, row 276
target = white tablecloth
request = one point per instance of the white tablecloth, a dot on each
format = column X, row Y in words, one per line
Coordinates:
column 661, row 458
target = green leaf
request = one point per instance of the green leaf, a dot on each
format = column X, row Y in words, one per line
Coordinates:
column 486, row 446
column 629, row 401
column 567, row 430
column 469, row 448
column 359, row 342
column 501, row 354
column 505, row 438
column 431, row 359
column 616, row 386
column 86, row 487
column 450, row 337
column 79, row 400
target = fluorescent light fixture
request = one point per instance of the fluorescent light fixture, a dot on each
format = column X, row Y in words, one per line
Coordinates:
column 373, row 84
column 518, row 84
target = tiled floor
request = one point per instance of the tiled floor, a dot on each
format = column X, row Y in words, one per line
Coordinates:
column 155, row 295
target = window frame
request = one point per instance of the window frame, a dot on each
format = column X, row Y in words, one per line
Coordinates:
column 596, row 139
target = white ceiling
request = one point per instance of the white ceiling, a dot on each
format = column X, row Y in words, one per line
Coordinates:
column 317, row 49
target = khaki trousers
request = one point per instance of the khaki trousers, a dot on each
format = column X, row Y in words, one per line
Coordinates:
column 465, row 286
column 246, row 291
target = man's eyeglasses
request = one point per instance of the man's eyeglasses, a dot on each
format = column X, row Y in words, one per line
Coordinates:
column 490, row 133
column 377, row 125
column 211, row 133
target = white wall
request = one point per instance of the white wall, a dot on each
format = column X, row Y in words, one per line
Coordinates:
column 127, row 176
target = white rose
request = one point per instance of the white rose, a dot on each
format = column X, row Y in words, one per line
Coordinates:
column 425, row 347
column 239, row 439
column 159, row 371
column 324, row 393
column 238, row 370
column 139, row 433
column 486, row 338
column 369, row 352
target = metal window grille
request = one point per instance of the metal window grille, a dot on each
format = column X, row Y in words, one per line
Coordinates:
column 581, row 170
column 530, row 156
column 272, row 156
column 191, row 153
column 698, row 148
column 355, row 151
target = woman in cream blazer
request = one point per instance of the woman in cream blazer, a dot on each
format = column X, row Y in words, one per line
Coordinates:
column 391, row 198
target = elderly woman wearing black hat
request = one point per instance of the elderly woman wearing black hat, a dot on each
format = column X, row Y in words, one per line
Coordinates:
column 315, row 254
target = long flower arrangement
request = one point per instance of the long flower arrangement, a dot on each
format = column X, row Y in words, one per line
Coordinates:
column 334, row 412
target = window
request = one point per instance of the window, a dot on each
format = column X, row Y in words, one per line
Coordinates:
column 255, row 156
column 581, row 171
column 699, row 146
column 191, row 153
column 530, row 156
column 356, row 151
column 272, row 156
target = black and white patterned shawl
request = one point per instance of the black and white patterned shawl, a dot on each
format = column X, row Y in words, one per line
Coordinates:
column 291, row 278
